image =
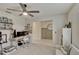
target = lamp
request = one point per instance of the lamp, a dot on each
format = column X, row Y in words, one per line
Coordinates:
column 25, row 13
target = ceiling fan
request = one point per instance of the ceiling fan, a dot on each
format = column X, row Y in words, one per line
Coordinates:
column 24, row 10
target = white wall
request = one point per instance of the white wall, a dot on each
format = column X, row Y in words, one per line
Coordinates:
column 29, row 21
column 44, row 24
column 58, row 23
column 18, row 22
column 74, row 18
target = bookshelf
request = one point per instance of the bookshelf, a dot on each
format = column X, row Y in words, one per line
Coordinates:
column 5, row 23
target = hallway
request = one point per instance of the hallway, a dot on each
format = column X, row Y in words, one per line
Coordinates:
column 35, row 49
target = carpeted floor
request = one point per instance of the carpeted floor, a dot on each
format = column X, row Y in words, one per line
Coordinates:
column 35, row 49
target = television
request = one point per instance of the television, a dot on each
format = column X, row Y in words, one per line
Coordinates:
column 21, row 33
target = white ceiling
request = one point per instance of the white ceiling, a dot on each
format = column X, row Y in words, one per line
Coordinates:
column 46, row 9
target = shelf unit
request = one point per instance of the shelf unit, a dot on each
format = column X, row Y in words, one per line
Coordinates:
column 5, row 23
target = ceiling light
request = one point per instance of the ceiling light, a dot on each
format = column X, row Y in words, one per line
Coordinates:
column 25, row 13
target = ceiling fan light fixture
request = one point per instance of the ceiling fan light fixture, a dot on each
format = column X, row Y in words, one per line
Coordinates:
column 25, row 13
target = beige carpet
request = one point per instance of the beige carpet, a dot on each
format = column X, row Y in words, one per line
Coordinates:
column 35, row 49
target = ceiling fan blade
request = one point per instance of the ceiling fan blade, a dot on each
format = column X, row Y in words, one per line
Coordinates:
column 20, row 14
column 23, row 7
column 14, row 10
column 8, row 12
column 33, row 11
column 30, row 15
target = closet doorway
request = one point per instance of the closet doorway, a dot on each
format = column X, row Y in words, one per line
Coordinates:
column 46, row 30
